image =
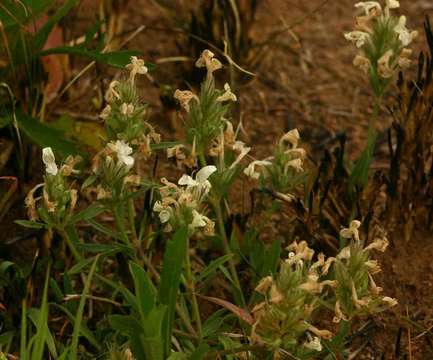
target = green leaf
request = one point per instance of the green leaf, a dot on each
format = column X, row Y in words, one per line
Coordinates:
column 30, row 224
column 359, row 174
column 200, row 352
column 6, row 337
column 117, row 59
column 80, row 266
column 42, row 323
column 212, row 267
column 103, row 229
column 213, row 323
column 105, row 248
column 80, row 312
column 34, row 315
column 44, row 136
column 170, row 279
column 86, row 214
column 144, row 289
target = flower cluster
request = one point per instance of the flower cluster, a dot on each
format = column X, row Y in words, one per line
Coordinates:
column 129, row 135
column 124, row 115
column 205, row 116
column 58, row 198
column 284, row 320
column 357, row 292
column 180, row 205
column 383, row 40
column 285, row 168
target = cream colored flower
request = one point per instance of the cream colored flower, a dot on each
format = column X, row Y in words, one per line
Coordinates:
column 362, row 62
column 357, row 37
column 50, row 161
column 242, row 150
column 404, row 35
column 106, row 112
column 275, row 295
column 111, row 93
column 344, row 254
column 164, row 212
column 207, row 60
column 136, row 67
column 228, row 95
column 392, row 4
column 301, row 252
column 251, row 171
column 373, row 266
column 338, row 313
column 313, row 344
column 127, row 109
column 201, row 181
column 379, row 244
column 295, row 164
column 326, row 334
column 404, row 60
column 184, row 97
column 30, row 203
column 123, row 151
column 390, row 301
column 264, row 285
column 292, row 137
column 383, row 65
column 198, row 220
column 371, row 8
column 351, row 231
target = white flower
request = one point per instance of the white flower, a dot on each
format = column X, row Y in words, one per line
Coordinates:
column 228, row 95
column 404, row 35
column 184, row 97
column 201, row 179
column 49, row 161
column 370, row 7
column 198, row 220
column 357, row 37
column 127, row 109
column 136, row 67
column 313, row 344
column 250, row 170
column 351, row 231
column 207, row 60
column 392, row 4
column 164, row 211
column 123, row 151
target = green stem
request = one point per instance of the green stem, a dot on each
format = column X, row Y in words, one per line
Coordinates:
column 135, row 240
column 70, row 244
column 120, row 224
column 191, row 288
column 227, row 250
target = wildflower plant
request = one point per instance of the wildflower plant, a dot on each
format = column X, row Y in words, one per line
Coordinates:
column 382, row 39
column 283, row 172
column 286, row 321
